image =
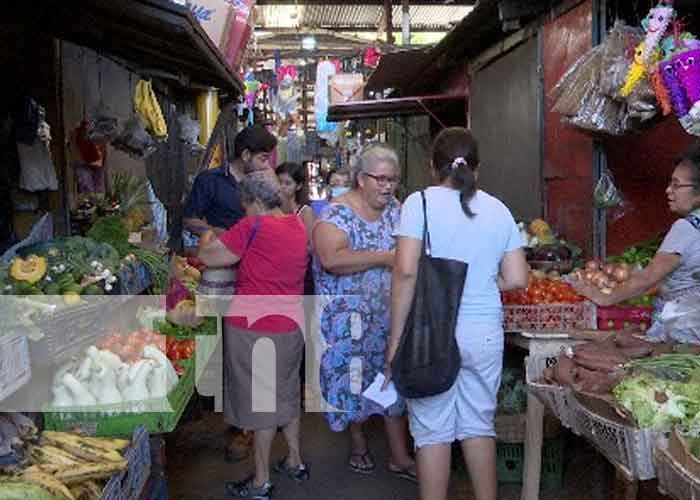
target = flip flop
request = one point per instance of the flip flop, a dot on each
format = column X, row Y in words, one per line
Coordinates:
column 367, row 464
column 406, row 474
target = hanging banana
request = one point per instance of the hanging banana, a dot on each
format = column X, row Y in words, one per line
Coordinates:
column 147, row 107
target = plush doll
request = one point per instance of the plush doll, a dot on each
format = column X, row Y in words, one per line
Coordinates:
column 656, row 24
column 687, row 66
column 638, row 69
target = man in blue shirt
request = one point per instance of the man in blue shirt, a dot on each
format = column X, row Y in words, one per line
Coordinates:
column 214, row 202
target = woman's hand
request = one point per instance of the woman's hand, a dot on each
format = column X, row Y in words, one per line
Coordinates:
column 387, row 375
column 207, row 237
column 592, row 293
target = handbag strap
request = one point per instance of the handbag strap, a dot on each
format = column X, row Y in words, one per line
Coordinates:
column 426, row 233
column 256, row 226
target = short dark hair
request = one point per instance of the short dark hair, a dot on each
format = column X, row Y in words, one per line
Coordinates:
column 255, row 139
column 691, row 159
column 456, row 156
column 298, row 174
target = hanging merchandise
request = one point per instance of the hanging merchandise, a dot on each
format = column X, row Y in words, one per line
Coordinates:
column 44, row 133
column 606, row 194
column 90, row 152
column 103, row 126
column 251, row 90
column 189, row 130
column 287, row 100
column 287, row 70
column 135, row 140
column 147, row 107
column 687, row 66
column 207, row 113
column 615, row 63
column 638, row 69
column 26, row 120
column 239, row 31
column 371, row 57
column 37, row 171
column 324, row 128
column 656, row 24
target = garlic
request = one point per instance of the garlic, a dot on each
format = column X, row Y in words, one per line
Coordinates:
column 108, row 287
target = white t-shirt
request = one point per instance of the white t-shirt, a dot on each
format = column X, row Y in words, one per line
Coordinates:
column 683, row 239
column 480, row 241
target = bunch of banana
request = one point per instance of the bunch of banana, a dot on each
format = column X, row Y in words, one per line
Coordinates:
column 67, row 467
column 147, row 107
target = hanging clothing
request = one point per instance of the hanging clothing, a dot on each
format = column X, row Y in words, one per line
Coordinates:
column 37, row 172
column 324, row 71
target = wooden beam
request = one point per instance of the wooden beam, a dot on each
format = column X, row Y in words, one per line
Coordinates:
column 361, row 28
column 363, row 2
column 389, row 22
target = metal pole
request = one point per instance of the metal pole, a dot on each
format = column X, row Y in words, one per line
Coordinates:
column 405, row 23
column 388, row 18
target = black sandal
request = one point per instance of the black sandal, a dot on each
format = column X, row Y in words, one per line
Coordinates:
column 298, row 473
column 366, row 466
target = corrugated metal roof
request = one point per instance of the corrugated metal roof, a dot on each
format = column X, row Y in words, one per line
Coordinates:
column 438, row 17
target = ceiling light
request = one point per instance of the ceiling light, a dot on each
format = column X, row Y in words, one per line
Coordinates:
column 308, row 43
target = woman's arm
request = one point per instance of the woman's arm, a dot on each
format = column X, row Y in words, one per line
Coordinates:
column 331, row 245
column 213, row 253
column 514, row 271
column 307, row 216
column 403, row 286
column 658, row 269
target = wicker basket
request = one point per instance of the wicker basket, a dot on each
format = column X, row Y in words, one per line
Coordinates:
column 674, row 480
column 554, row 397
column 549, row 317
column 624, row 445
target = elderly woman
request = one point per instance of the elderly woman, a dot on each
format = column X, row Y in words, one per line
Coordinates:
column 261, row 384
column 354, row 252
column 676, row 266
column 469, row 225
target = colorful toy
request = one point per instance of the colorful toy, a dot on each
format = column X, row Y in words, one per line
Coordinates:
column 656, row 25
column 687, row 67
column 638, row 69
column 679, row 100
column 657, row 83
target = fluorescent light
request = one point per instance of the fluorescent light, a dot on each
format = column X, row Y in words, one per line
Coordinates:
column 308, row 43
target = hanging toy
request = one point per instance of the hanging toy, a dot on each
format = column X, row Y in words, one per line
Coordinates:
column 251, row 89
column 657, row 83
column 687, row 67
column 679, row 100
column 638, row 69
column 656, row 25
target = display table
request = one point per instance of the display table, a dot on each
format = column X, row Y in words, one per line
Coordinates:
column 536, row 345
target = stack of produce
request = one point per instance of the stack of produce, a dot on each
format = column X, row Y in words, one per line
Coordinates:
column 59, row 465
column 604, row 276
column 544, row 247
column 543, row 288
column 123, row 369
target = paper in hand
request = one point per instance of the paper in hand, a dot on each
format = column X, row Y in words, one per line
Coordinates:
column 374, row 392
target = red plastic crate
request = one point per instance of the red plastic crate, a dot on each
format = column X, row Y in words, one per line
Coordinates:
column 622, row 317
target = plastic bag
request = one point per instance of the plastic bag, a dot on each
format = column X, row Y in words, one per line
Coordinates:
column 103, row 126
column 189, row 129
column 606, row 194
column 134, row 139
column 41, row 232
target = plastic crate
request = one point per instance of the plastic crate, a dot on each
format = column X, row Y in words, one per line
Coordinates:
column 557, row 398
column 15, row 366
column 121, row 419
column 624, row 317
column 622, row 444
column 70, row 329
column 510, row 458
column 674, row 480
column 129, row 484
column 549, row 317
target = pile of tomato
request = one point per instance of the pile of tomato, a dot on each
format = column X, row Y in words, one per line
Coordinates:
column 129, row 347
column 543, row 291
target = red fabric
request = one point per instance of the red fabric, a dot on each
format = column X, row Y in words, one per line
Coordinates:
column 272, row 266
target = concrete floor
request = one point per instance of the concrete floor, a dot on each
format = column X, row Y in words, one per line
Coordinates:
column 196, row 470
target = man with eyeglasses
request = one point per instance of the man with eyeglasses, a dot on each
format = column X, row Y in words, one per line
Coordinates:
column 676, row 265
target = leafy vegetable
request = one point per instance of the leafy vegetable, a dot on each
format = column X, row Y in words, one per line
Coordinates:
column 111, row 230
column 512, row 395
column 208, row 327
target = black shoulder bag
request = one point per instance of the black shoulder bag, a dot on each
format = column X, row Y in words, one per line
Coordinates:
column 427, row 360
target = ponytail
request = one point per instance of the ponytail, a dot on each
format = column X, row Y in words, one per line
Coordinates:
column 456, row 156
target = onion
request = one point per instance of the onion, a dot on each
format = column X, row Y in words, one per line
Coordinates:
column 600, row 281
column 609, row 269
column 606, row 291
column 592, row 265
column 588, row 275
column 621, row 274
column 578, row 275
column 624, row 265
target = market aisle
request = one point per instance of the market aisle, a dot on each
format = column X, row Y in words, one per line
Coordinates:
column 196, row 469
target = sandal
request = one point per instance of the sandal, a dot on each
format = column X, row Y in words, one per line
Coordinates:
column 298, row 473
column 365, row 464
column 247, row 489
column 405, row 473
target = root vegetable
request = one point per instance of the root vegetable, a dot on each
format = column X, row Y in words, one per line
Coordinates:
column 621, row 274
column 609, row 269
column 592, row 265
column 636, row 352
column 565, row 371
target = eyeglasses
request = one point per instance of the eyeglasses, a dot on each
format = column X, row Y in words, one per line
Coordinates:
column 675, row 186
column 383, row 180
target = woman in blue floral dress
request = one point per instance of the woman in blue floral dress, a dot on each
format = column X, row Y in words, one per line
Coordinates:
column 354, row 252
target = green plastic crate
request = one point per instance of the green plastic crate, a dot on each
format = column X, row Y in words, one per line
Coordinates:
column 510, row 458
column 121, row 419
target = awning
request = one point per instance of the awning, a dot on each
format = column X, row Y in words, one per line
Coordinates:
column 155, row 34
column 403, row 106
column 398, row 70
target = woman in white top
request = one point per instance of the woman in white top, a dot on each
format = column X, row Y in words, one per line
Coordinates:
column 294, row 194
column 472, row 226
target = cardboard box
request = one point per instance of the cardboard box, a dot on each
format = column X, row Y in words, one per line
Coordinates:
column 346, row 87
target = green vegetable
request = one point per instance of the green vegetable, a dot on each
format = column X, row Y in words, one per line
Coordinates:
column 157, row 267
column 512, row 395
column 111, row 230
column 208, row 327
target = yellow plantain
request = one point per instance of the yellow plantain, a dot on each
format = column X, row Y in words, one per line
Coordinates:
column 52, row 455
column 88, row 472
column 49, row 483
column 75, row 446
column 107, row 444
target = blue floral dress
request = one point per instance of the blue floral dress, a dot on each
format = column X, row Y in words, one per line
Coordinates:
column 355, row 319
